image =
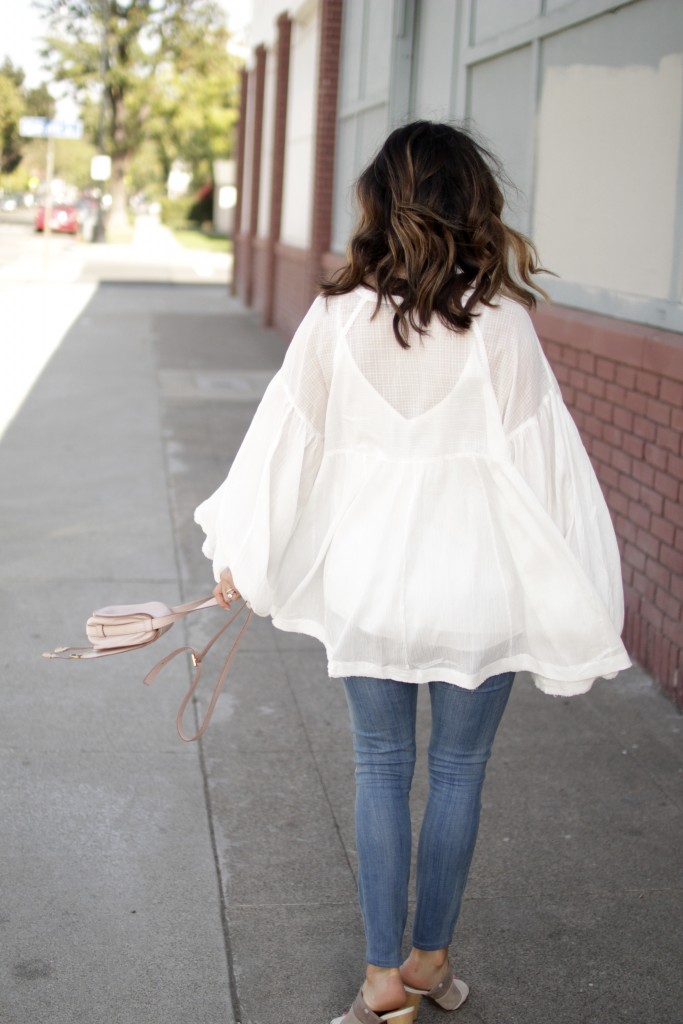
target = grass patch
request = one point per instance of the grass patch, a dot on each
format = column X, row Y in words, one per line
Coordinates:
column 195, row 238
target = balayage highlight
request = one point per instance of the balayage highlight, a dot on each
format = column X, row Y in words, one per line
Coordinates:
column 430, row 238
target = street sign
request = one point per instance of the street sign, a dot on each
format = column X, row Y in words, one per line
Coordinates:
column 100, row 167
column 49, row 128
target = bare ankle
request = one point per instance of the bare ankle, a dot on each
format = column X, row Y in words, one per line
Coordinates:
column 423, row 967
column 383, row 988
column 429, row 957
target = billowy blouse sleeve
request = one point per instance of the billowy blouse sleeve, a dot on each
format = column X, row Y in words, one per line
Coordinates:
column 249, row 520
column 548, row 453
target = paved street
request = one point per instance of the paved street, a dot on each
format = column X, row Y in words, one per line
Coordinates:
column 151, row 881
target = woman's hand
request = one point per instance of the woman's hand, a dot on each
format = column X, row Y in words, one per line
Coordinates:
column 225, row 590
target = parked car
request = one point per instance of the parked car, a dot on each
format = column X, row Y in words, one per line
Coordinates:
column 64, row 218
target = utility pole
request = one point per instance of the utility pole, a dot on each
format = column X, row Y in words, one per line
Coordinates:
column 49, row 175
column 104, row 64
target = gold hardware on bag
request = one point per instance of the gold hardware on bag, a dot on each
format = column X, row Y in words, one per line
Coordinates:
column 122, row 628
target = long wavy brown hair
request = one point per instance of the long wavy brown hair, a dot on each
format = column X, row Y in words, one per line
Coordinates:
column 430, row 238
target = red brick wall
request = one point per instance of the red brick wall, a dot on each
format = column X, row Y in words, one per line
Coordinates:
column 325, row 134
column 288, row 277
column 292, row 273
column 291, row 288
column 242, row 266
column 247, row 285
column 241, row 136
column 624, row 385
column 283, row 48
column 330, row 262
column 260, row 270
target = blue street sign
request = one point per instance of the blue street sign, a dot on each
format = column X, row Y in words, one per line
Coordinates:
column 46, row 128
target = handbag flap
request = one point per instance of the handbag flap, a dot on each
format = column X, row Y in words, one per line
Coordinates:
column 127, row 639
column 155, row 609
column 96, row 628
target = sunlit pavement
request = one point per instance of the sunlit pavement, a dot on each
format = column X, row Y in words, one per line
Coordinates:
column 152, row 254
column 46, row 282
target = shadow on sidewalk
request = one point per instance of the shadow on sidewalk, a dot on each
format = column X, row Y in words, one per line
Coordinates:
column 146, row 879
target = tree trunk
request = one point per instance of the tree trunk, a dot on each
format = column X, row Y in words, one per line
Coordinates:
column 118, row 216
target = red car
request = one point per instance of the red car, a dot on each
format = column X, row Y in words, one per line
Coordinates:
column 64, row 217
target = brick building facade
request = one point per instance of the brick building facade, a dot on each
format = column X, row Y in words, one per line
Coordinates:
column 622, row 380
column 624, row 386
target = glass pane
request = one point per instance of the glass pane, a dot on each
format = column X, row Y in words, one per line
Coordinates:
column 433, row 68
column 351, row 48
column 379, row 33
column 609, row 137
column 501, row 108
column 344, row 175
column 298, row 176
column 493, row 17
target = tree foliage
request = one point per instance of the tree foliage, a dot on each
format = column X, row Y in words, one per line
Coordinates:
column 11, row 109
column 164, row 71
column 15, row 102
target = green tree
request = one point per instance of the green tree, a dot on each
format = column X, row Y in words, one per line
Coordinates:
column 72, row 161
column 38, row 102
column 147, row 57
column 11, row 109
column 195, row 99
column 13, row 72
column 15, row 102
column 32, row 166
column 146, row 172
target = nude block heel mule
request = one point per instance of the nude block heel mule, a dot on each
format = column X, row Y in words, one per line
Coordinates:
column 360, row 1013
column 414, row 997
column 449, row 994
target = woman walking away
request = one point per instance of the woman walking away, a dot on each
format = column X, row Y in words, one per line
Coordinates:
column 413, row 492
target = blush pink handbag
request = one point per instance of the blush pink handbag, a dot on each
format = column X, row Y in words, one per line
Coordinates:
column 127, row 627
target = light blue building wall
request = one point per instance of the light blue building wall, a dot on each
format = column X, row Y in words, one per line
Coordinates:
column 581, row 99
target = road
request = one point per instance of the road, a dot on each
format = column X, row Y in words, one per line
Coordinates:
column 23, row 216
column 152, row 255
column 46, row 283
column 20, row 243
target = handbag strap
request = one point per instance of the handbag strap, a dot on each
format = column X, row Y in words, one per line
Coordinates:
column 161, row 626
column 197, row 657
column 181, row 610
column 197, row 660
column 104, row 652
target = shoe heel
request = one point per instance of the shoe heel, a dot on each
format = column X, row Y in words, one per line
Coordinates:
column 413, row 1001
column 406, row 1015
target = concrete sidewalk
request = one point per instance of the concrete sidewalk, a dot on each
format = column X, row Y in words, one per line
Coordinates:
column 145, row 880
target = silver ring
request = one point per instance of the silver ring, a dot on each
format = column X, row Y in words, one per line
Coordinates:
column 229, row 594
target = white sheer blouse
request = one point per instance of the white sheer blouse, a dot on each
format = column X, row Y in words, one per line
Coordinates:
column 427, row 514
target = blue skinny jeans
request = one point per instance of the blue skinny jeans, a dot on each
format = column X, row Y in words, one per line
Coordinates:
column 464, row 724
